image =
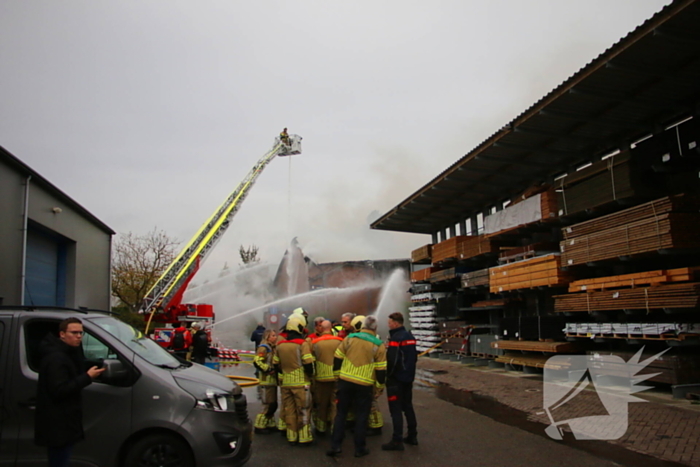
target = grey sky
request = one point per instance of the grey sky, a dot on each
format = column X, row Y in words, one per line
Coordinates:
column 149, row 113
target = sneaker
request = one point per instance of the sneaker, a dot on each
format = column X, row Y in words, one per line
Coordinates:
column 361, row 452
column 393, row 446
column 412, row 440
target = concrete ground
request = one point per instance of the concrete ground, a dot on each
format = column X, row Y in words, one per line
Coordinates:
column 450, row 434
column 662, row 427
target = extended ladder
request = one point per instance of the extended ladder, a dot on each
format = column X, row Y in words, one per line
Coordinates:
column 169, row 288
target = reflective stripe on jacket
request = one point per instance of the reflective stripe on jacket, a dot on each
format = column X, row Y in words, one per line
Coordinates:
column 361, row 358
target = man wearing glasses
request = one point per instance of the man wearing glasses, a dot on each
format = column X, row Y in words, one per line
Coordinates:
column 59, row 416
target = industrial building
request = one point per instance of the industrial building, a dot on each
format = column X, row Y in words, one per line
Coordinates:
column 573, row 228
column 53, row 251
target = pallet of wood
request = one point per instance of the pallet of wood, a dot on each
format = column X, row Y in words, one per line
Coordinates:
column 477, row 245
column 675, row 296
column 539, row 207
column 541, row 271
column 535, row 361
column 605, row 182
column 476, row 278
column 422, row 255
column 537, row 346
column 614, row 240
column 447, row 274
column 509, row 255
column 502, row 302
column 671, row 368
column 651, row 209
column 662, row 276
column 423, row 275
column 448, row 249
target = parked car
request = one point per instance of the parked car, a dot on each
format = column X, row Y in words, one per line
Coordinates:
column 147, row 408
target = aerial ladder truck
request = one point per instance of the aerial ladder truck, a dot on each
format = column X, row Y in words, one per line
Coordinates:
column 163, row 302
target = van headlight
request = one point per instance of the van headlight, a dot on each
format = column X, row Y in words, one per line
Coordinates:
column 207, row 397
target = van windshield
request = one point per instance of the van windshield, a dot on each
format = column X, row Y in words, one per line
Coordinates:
column 137, row 341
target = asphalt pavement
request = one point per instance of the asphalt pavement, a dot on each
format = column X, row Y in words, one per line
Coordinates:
column 448, row 435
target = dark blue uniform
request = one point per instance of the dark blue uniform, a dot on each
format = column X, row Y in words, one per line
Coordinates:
column 401, row 371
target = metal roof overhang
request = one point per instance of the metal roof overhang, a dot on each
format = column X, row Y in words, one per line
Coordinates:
column 648, row 80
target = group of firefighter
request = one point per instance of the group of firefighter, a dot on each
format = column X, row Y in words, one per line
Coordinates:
column 331, row 379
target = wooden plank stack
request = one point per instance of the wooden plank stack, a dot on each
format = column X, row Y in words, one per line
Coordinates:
column 517, row 253
column 549, row 204
column 448, row 249
column 537, row 346
column 662, row 276
column 422, row 255
column 476, row 245
column 674, row 295
column 536, row 361
column 423, row 275
column 616, row 178
column 535, row 272
column 476, row 278
column 447, row 274
column 667, row 223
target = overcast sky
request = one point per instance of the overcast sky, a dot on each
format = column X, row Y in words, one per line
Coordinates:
column 149, row 113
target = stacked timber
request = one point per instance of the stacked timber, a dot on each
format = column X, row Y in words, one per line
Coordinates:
column 663, row 224
column 539, row 207
column 423, row 275
column 541, row 271
column 537, row 346
column 535, row 361
column 476, row 278
column 447, row 274
column 477, row 245
column 667, row 368
column 616, row 178
column 422, row 255
column 662, row 276
column 521, row 252
column 671, row 296
column 448, row 249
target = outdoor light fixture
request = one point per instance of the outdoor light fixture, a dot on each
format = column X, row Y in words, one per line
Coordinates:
column 56, row 210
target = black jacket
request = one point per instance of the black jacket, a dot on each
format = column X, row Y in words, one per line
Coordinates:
column 200, row 344
column 401, row 356
column 257, row 335
column 59, row 407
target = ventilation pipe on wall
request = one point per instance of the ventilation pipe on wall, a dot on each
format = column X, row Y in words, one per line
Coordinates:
column 24, row 241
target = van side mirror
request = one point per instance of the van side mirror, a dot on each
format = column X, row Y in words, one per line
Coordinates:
column 114, row 371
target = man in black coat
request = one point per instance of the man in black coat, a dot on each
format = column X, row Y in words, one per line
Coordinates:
column 257, row 335
column 59, row 408
column 401, row 370
column 200, row 344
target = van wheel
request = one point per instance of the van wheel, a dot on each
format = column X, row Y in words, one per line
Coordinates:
column 159, row 450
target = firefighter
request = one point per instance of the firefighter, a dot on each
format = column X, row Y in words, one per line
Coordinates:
column 299, row 314
column 360, row 362
column 265, row 421
column 318, row 329
column 323, row 348
column 346, row 322
column 284, row 137
column 401, row 365
column 294, row 361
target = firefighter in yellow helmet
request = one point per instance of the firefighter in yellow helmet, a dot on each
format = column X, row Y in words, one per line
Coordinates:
column 324, row 388
column 264, row 355
column 295, row 363
column 360, row 362
column 300, row 316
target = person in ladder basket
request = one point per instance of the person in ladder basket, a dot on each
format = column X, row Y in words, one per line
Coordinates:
column 401, row 369
column 295, row 364
column 284, row 137
column 265, row 421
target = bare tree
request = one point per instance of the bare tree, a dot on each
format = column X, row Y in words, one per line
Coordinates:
column 249, row 255
column 137, row 263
